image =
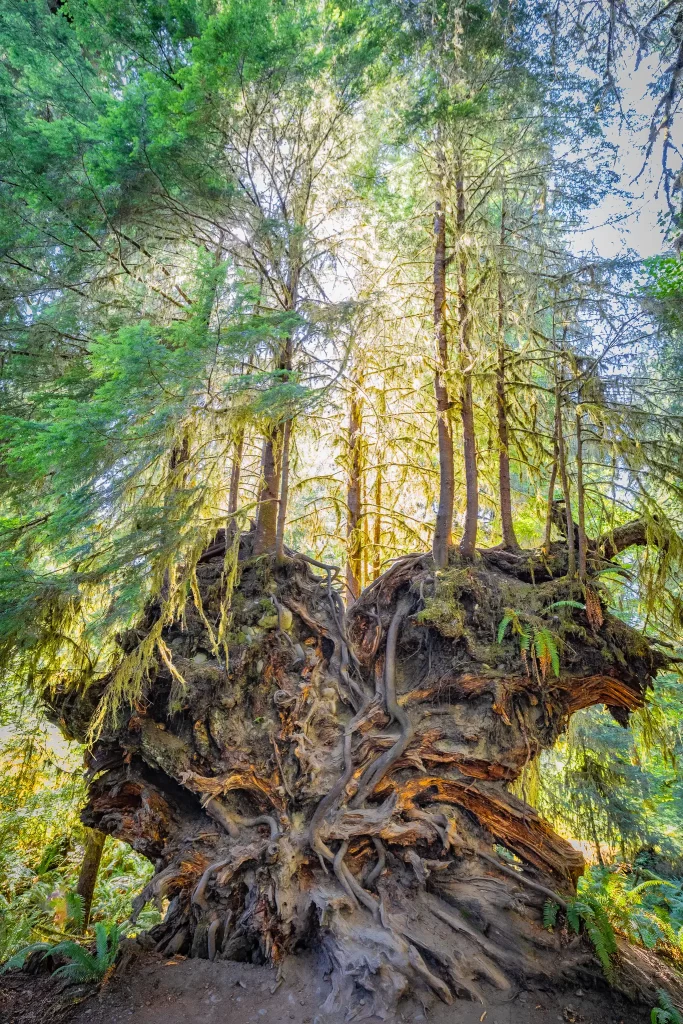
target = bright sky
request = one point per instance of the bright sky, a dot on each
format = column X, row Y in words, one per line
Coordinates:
column 629, row 221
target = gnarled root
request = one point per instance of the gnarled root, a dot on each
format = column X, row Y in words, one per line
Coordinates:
column 343, row 782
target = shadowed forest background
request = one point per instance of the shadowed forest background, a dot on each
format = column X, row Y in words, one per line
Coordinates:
column 292, row 278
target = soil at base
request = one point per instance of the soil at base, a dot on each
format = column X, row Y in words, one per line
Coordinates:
column 158, row 990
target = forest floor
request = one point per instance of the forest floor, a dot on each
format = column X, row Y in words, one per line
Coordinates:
column 158, row 990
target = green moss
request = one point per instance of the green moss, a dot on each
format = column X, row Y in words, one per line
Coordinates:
column 443, row 609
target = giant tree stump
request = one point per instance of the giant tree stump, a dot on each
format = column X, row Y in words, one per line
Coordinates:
column 343, row 783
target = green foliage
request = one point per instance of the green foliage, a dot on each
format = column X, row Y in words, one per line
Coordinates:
column 17, row 961
column 647, row 911
column 550, row 911
column 443, row 608
column 566, row 604
column 619, row 791
column 664, row 288
column 41, row 839
column 587, row 910
column 83, row 965
column 534, row 638
column 665, row 1012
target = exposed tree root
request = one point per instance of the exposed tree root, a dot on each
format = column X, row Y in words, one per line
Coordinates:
column 343, row 782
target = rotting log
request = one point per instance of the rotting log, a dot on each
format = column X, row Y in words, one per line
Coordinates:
column 343, row 783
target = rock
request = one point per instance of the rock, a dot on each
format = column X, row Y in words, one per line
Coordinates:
column 268, row 622
column 200, row 658
column 286, row 618
column 299, row 656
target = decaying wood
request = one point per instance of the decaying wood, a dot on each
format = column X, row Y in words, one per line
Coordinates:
column 344, row 782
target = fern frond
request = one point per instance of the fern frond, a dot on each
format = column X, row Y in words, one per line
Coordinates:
column 550, row 910
column 504, row 623
column 75, row 952
column 547, row 653
column 565, row 604
column 107, row 944
column 665, row 1012
column 75, row 909
column 19, row 959
column 573, row 916
column 601, row 948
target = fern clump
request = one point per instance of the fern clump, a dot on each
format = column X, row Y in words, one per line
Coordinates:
column 665, row 1012
column 536, row 641
column 586, row 910
column 83, row 965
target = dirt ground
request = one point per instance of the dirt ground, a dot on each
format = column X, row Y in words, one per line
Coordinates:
column 157, row 990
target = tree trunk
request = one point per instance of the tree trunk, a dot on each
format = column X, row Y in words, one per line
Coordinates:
column 377, row 526
column 342, row 785
column 272, row 512
column 580, row 496
column 553, row 477
column 235, row 474
column 90, row 866
column 469, row 537
column 366, row 531
column 354, row 537
column 506, row 522
column 444, row 516
column 284, row 492
column 266, row 518
column 564, row 478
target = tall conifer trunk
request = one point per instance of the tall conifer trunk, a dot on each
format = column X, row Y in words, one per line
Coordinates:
column 580, row 496
column 377, row 525
column 553, row 477
column 235, row 475
column 507, row 525
column 272, row 511
column 354, row 497
column 266, row 519
column 566, row 490
column 444, row 516
column 469, row 537
column 284, row 491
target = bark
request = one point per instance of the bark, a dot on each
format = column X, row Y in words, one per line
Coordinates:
column 506, row 522
column 284, row 492
column 469, row 537
column 444, row 516
column 553, row 479
column 633, row 534
column 272, row 512
column 266, row 519
column 582, row 542
column 564, row 477
column 235, row 473
column 342, row 785
column 377, row 526
column 354, row 497
column 87, row 878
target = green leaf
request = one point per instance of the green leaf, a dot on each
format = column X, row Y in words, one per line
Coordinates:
column 550, row 910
